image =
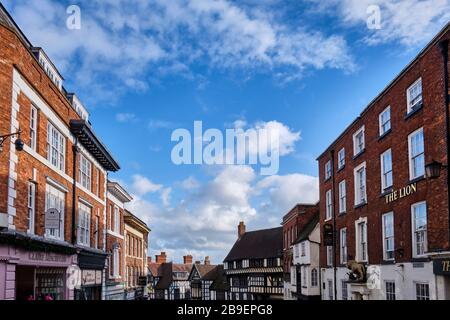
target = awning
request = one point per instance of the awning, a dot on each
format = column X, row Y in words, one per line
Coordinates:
column 91, row 260
column 86, row 136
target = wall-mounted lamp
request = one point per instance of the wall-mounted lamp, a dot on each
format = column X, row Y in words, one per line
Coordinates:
column 433, row 169
column 18, row 143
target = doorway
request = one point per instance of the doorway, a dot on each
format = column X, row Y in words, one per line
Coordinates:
column 25, row 277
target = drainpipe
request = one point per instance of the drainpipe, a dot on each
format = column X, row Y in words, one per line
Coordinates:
column 444, row 51
column 74, row 188
column 333, row 210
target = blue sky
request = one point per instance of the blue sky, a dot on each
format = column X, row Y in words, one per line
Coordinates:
column 145, row 68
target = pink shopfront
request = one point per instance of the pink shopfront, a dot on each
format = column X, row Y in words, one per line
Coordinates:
column 28, row 274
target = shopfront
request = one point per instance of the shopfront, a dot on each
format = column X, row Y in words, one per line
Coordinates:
column 34, row 269
column 441, row 269
column 92, row 265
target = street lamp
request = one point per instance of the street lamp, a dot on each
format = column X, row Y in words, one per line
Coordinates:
column 18, row 143
column 433, row 169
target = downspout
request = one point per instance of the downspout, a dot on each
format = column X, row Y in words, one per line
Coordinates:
column 74, row 188
column 333, row 202
column 444, row 51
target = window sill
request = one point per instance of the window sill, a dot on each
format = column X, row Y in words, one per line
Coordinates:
column 360, row 205
column 327, row 220
column 327, row 179
column 356, row 156
column 414, row 111
column 388, row 262
column 342, row 214
column 386, row 192
column 341, row 168
column 415, row 180
column 384, row 135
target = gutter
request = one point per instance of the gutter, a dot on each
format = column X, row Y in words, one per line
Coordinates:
column 444, row 51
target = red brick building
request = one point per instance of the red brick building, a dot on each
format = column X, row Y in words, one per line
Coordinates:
column 293, row 223
column 387, row 214
column 53, row 192
column 135, row 251
column 115, row 245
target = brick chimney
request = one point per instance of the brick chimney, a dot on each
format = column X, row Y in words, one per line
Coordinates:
column 241, row 229
column 207, row 261
column 187, row 259
column 161, row 258
column 149, row 260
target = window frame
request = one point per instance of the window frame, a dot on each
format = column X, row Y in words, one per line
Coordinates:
column 386, row 237
column 411, row 159
column 328, row 170
column 343, row 249
column 359, row 199
column 382, row 130
column 329, row 256
column 57, row 148
column 342, row 197
column 389, row 294
column 117, row 220
column 362, row 248
column 84, row 224
column 85, row 172
column 53, row 191
column 414, row 230
column 341, row 158
column 31, row 206
column 384, row 173
column 328, row 205
column 357, row 151
column 33, row 127
column 422, row 296
column 412, row 108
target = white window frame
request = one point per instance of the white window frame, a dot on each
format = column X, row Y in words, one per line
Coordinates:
column 422, row 297
column 55, row 198
column 342, row 197
column 414, row 231
column 344, row 289
column 412, row 174
column 84, row 224
column 356, row 147
column 388, row 237
column 387, row 122
column 117, row 220
column 329, row 256
column 385, row 174
column 303, row 249
column 411, row 107
column 328, row 170
column 85, row 172
column 56, row 147
column 361, row 241
column 329, row 205
column 330, row 290
column 314, row 277
column 341, row 158
column 343, row 245
column 360, row 195
column 33, row 127
column 31, row 207
column 390, row 295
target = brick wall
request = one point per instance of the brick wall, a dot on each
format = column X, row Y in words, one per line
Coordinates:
column 432, row 119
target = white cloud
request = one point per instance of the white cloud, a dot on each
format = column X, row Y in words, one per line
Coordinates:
column 205, row 221
column 142, row 185
column 160, row 124
column 165, row 196
column 128, row 42
column 126, row 117
column 412, row 22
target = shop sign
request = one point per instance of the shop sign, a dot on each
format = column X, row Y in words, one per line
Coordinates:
column 441, row 267
column 401, row 193
column 142, row 281
column 88, row 277
column 52, row 219
column 47, row 257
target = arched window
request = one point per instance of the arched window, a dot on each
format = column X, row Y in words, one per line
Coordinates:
column 314, row 278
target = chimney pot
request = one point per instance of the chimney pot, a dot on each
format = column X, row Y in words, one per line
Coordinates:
column 187, row 259
column 241, row 229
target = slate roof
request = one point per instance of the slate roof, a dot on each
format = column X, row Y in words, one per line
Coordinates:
column 167, row 274
column 308, row 229
column 155, row 269
column 259, row 244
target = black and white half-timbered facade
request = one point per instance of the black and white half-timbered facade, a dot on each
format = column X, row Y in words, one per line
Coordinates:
column 254, row 267
column 201, row 278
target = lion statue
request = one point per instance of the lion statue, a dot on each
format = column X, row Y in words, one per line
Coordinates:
column 358, row 271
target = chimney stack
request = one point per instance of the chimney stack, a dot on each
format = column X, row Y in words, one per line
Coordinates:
column 161, row 258
column 187, row 259
column 207, row 261
column 149, row 260
column 241, row 229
